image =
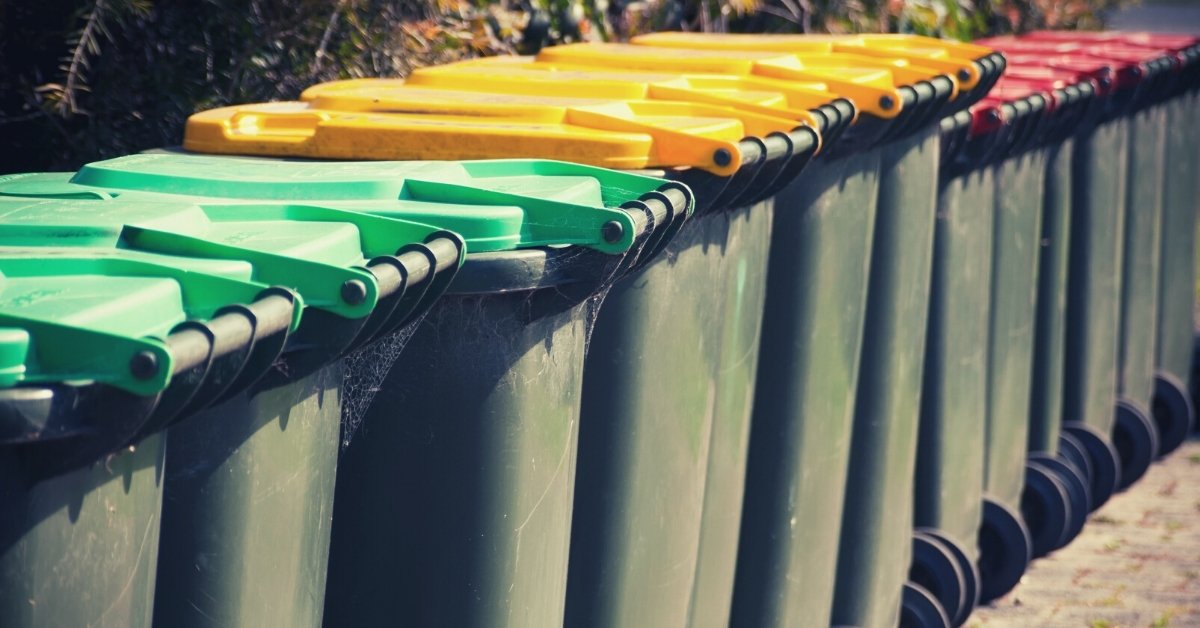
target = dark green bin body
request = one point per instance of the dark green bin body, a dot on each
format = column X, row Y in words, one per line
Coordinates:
column 454, row 496
column 666, row 401
column 1177, row 262
column 1016, row 247
column 744, row 297
column 949, row 477
column 82, row 545
column 1096, row 249
column 251, row 477
column 1046, row 402
column 804, row 398
column 874, row 551
column 1140, row 258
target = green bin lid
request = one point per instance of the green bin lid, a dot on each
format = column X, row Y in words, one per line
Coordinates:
column 494, row 205
column 346, row 264
column 313, row 250
column 86, row 315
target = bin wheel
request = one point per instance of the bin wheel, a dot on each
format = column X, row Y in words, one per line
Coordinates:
column 966, row 567
column 920, row 609
column 1173, row 413
column 1072, row 450
column 935, row 568
column 1046, row 508
column 1005, row 550
column 1106, row 463
column 1136, row 440
column 1076, row 484
column 1193, row 377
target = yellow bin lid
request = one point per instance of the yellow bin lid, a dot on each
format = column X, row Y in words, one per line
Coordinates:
column 396, row 96
column 629, row 135
column 872, row 90
column 956, row 51
column 924, row 52
column 521, row 75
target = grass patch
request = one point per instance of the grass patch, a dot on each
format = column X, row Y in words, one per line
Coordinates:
column 1113, row 600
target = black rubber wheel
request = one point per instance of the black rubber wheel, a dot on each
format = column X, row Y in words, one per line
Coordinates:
column 1105, row 462
column 1077, row 490
column 1136, row 440
column 966, row 566
column 1073, row 451
column 920, row 609
column 1046, row 508
column 1194, row 376
column 1173, row 413
column 935, row 568
column 1005, row 549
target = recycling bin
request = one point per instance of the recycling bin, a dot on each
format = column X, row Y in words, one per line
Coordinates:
column 494, row 222
column 1130, row 83
column 618, row 594
column 948, row 474
column 1171, row 407
column 626, row 386
column 878, row 440
column 527, row 589
column 1167, row 403
column 1176, row 321
column 982, row 510
column 1136, row 435
column 706, row 412
column 1098, row 171
column 909, row 149
column 1053, row 454
column 235, row 355
column 80, row 537
column 1056, row 498
column 1018, row 179
column 1093, row 293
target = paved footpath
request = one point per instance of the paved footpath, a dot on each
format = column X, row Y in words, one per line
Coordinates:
column 1136, row 564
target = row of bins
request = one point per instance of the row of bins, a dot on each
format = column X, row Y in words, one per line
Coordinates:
column 872, row 325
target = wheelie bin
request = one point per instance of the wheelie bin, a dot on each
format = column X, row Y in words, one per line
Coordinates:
column 971, row 537
column 1173, row 361
column 719, row 244
column 1140, row 279
column 472, row 198
column 1130, row 429
column 911, row 157
column 714, row 576
column 1018, row 168
column 1054, row 454
column 948, row 474
column 643, row 537
column 1136, row 434
column 978, row 501
column 1172, row 407
column 80, row 536
column 973, row 517
column 85, row 449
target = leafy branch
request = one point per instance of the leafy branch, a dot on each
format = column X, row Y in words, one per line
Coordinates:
column 85, row 44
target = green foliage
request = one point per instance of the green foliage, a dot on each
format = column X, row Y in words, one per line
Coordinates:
column 87, row 79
